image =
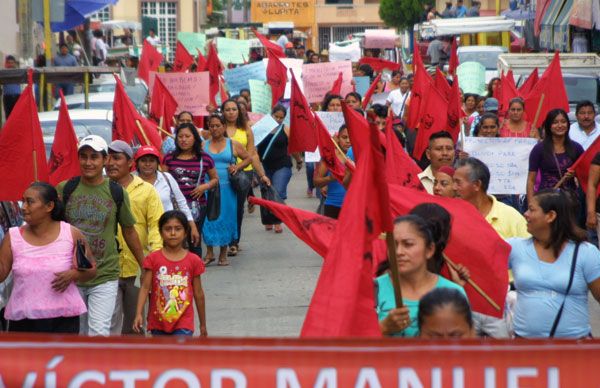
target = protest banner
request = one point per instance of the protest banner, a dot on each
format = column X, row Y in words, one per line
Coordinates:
column 237, row 78
column 190, row 90
column 295, row 65
column 506, row 157
column 471, row 77
column 262, row 128
column 362, row 85
column 350, row 52
column 319, row 77
column 380, row 98
column 261, row 96
column 233, row 50
column 64, row 361
column 380, row 39
column 332, row 121
column 192, row 41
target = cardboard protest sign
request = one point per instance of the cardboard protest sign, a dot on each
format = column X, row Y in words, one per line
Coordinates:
column 332, row 121
column 350, row 52
column 238, row 77
column 362, row 85
column 233, row 50
column 261, row 96
column 507, row 159
column 319, row 77
column 192, row 41
column 262, row 128
column 380, row 39
column 471, row 78
column 380, row 98
column 190, row 90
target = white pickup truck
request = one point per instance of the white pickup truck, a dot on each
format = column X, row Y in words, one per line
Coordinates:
column 581, row 74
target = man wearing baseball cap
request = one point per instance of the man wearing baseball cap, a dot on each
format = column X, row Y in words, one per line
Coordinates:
column 147, row 209
column 96, row 206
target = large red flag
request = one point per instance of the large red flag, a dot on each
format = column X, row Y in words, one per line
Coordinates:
column 162, row 104
column 441, row 83
column 507, row 90
column 422, row 84
column 276, row 77
column 343, row 302
column 453, row 63
column 183, row 59
column 202, row 65
column 276, row 50
column 552, row 87
column 337, row 84
column 378, row 64
column 303, row 134
column 358, row 126
column 128, row 123
column 149, row 61
column 327, row 151
column 455, row 111
column 582, row 165
column 400, row 168
column 432, row 118
column 63, row 163
column 370, row 91
column 23, row 155
column 529, row 83
column 215, row 69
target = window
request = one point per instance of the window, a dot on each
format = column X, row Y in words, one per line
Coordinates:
column 165, row 12
column 338, row 1
column 103, row 15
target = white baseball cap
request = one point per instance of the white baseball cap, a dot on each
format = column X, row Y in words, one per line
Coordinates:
column 95, row 142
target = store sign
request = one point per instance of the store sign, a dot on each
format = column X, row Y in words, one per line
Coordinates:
column 299, row 12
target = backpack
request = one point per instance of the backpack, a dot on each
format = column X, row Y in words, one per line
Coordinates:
column 116, row 192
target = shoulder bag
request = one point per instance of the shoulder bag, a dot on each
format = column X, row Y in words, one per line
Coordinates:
column 213, row 198
column 571, row 276
column 240, row 182
column 171, row 192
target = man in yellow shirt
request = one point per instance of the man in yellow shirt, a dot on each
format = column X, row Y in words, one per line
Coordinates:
column 147, row 209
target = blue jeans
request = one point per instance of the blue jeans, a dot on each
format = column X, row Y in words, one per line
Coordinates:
column 310, row 171
column 174, row 332
column 280, row 179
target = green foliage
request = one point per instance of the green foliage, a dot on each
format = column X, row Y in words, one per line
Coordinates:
column 401, row 14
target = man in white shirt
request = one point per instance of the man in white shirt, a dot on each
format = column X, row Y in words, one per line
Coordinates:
column 398, row 97
column 284, row 39
column 152, row 38
column 440, row 153
column 585, row 130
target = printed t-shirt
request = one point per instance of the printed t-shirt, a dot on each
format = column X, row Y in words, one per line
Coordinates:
column 172, row 293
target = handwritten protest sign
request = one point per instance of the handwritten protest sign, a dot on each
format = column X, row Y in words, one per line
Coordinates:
column 332, row 121
column 192, row 41
column 254, row 117
column 233, row 50
column 380, row 38
column 380, row 98
column 507, row 159
column 318, row 78
column 471, row 77
column 190, row 90
column 261, row 96
column 262, row 128
column 362, row 85
column 237, row 78
column 294, row 64
column 350, row 52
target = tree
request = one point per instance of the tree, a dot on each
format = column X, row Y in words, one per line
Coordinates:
column 401, row 14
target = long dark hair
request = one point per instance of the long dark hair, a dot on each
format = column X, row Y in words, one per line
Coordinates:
column 241, row 121
column 547, row 142
column 564, row 227
column 219, row 117
column 197, row 147
column 439, row 221
column 490, row 91
column 49, row 194
column 327, row 100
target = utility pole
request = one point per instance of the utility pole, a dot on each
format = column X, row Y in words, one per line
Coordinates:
column 25, row 29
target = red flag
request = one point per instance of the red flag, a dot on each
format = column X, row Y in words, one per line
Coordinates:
column 23, row 152
column 552, row 87
column 162, row 104
column 432, row 118
column 337, row 84
column 276, row 77
column 378, row 64
column 358, row 126
column 417, row 59
column 276, row 50
column 400, row 168
column 506, row 91
column 422, row 83
column 455, row 111
column 582, row 165
column 63, row 163
column 441, row 83
column 149, row 61
column 202, row 65
column 529, row 83
column 327, row 151
column 126, row 119
column 370, row 91
column 303, row 134
column 453, row 63
column 183, row 59
column 343, row 302
column 215, row 69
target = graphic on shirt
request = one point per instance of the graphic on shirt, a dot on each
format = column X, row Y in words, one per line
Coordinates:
column 91, row 214
column 172, row 301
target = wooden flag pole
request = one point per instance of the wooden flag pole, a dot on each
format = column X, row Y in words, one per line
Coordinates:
column 539, row 110
column 35, row 166
column 391, row 253
column 143, row 132
column 166, row 132
column 160, row 122
column 473, row 284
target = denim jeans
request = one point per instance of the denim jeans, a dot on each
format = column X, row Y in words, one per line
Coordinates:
column 280, row 179
column 174, row 332
column 100, row 301
column 310, row 172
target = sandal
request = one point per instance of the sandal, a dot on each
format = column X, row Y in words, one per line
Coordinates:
column 208, row 260
column 251, row 208
column 223, row 263
column 233, row 250
column 278, row 228
column 268, row 227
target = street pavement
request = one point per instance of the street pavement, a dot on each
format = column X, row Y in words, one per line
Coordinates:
column 266, row 289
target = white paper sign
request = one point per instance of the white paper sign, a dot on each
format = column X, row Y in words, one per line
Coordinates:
column 506, row 157
column 262, row 128
column 332, row 121
column 380, row 39
column 350, row 52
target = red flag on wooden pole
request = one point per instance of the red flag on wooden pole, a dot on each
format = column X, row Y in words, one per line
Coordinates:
column 149, row 61
column 303, row 134
column 162, row 104
column 63, row 163
column 432, row 118
column 276, row 50
column 370, row 91
column 183, row 59
column 276, row 77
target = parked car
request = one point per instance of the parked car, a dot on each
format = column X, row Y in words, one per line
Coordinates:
column 102, row 95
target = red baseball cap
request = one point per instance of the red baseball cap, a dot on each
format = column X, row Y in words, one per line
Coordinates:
column 147, row 150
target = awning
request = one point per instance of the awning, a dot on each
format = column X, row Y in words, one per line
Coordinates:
column 581, row 15
column 546, row 36
column 561, row 27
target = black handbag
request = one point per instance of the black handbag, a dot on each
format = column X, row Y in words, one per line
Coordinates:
column 240, row 181
column 83, row 262
column 571, row 276
column 213, row 203
column 269, row 193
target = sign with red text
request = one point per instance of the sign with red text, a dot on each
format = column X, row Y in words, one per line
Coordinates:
column 380, row 39
column 190, row 90
column 318, row 78
column 62, row 361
